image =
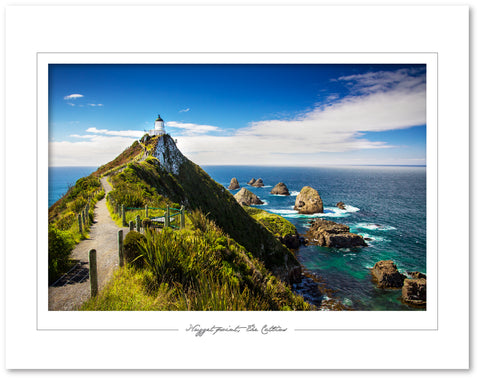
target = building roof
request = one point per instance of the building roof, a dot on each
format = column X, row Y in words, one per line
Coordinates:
column 159, row 118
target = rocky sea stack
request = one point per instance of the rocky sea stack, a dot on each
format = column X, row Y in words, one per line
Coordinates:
column 330, row 234
column 308, row 201
column 258, row 183
column 246, row 198
column 251, row 182
column 386, row 274
column 414, row 291
column 234, row 184
column 280, row 189
column 341, row 205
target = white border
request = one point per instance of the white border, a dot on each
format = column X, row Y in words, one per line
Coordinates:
column 375, row 320
column 270, row 29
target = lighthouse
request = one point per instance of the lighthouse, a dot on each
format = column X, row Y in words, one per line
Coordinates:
column 159, row 127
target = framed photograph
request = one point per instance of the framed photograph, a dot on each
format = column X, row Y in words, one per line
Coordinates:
column 254, row 196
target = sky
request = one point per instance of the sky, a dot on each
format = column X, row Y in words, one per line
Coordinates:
column 248, row 114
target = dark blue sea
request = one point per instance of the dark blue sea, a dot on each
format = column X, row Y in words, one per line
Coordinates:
column 386, row 204
column 60, row 178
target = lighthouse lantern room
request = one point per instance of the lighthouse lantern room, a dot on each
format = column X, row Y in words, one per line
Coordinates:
column 159, row 127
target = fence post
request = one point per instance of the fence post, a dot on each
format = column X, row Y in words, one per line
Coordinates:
column 120, row 248
column 92, row 260
column 83, row 217
column 131, row 225
column 182, row 217
column 138, row 223
column 80, row 223
column 146, row 211
column 167, row 217
column 124, row 220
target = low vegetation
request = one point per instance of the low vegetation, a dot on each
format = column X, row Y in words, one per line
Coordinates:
column 64, row 231
column 276, row 224
column 200, row 268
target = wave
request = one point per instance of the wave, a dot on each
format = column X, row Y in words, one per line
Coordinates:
column 294, row 193
column 374, row 238
column 328, row 212
column 373, row 227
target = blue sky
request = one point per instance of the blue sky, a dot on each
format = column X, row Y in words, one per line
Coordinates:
column 295, row 115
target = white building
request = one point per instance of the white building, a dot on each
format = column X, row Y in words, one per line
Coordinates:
column 159, row 127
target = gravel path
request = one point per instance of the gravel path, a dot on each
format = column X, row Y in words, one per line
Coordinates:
column 103, row 238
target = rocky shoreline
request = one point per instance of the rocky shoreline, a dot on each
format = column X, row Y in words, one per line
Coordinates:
column 330, row 234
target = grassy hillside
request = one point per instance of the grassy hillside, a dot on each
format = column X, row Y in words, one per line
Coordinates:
column 223, row 260
column 198, row 268
column 176, row 180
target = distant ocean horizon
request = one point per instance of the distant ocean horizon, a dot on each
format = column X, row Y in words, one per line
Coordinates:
column 385, row 204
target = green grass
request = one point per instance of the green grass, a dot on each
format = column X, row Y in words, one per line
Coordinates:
column 195, row 269
column 63, row 219
column 276, row 224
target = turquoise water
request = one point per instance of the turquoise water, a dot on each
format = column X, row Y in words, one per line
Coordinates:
column 385, row 204
column 60, row 178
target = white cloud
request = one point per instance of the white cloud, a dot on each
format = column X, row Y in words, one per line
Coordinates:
column 95, row 151
column 73, row 96
column 185, row 110
column 71, row 104
column 83, row 136
column 379, row 101
column 190, row 129
column 128, row 133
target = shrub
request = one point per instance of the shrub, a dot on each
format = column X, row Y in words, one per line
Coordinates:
column 131, row 245
column 60, row 246
column 146, row 223
column 100, row 195
column 201, row 222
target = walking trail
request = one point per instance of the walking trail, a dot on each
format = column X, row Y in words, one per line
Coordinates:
column 103, row 238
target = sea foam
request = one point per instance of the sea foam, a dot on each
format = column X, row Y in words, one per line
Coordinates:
column 374, row 227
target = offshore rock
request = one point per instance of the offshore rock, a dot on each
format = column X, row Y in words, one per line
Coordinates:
column 258, row 183
column 341, row 205
column 386, row 274
column 280, row 189
column 308, row 201
column 234, row 184
column 414, row 291
column 251, row 182
column 246, row 198
column 417, row 275
column 330, row 234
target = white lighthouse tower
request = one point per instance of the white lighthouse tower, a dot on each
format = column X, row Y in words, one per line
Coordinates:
column 159, row 127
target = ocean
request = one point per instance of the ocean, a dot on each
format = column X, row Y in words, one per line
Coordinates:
column 386, row 204
column 60, row 178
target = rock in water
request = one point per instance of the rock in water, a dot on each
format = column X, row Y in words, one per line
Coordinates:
column 251, row 182
column 308, row 201
column 247, row 198
column 280, row 189
column 416, row 275
column 414, row 291
column 386, row 274
column 341, row 205
column 330, row 234
column 258, row 183
column 234, row 184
